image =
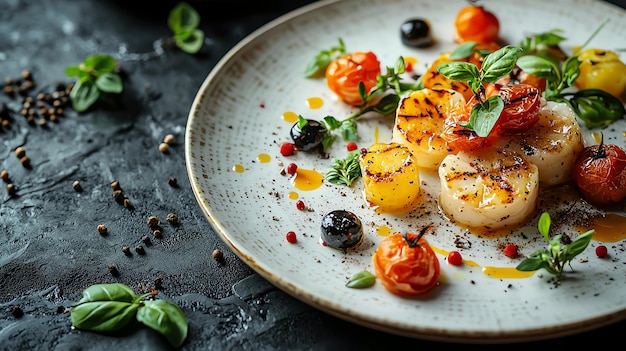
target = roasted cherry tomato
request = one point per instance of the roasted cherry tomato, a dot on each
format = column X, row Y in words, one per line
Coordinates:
column 521, row 108
column 600, row 174
column 344, row 75
column 406, row 264
column 475, row 23
column 459, row 138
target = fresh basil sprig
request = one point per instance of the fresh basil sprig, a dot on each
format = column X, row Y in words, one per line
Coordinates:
column 96, row 75
column 346, row 171
column 495, row 66
column 595, row 107
column 183, row 20
column 554, row 258
column 110, row 307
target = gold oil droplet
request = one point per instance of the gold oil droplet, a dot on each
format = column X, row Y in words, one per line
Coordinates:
column 624, row 134
column 306, row 179
column 314, row 102
column 290, row 117
column 238, row 168
column 293, row 195
column 383, row 230
column 264, row 158
column 506, row 272
column 609, row 229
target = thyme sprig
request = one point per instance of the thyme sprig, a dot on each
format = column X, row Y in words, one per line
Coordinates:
column 554, row 258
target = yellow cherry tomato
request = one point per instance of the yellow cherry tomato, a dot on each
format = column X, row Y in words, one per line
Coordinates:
column 602, row 69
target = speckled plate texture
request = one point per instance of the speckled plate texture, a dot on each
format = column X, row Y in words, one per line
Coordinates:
column 236, row 118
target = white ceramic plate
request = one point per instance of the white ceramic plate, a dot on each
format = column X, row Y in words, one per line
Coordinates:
column 236, row 117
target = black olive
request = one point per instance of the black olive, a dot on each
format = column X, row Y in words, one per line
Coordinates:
column 341, row 229
column 310, row 137
column 415, row 32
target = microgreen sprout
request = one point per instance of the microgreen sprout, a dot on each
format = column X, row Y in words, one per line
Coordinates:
column 346, row 171
column 96, row 75
column 183, row 20
column 554, row 258
column 495, row 66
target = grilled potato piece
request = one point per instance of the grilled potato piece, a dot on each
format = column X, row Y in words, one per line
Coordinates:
column 391, row 178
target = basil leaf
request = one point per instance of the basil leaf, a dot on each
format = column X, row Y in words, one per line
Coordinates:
column 462, row 51
column 100, row 64
column 190, row 41
column 544, row 225
column 109, row 83
column 577, row 246
column 183, row 16
column 540, row 67
column 103, row 316
column 83, row 95
column 484, row 116
column 459, row 71
column 596, row 107
column 166, row 318
column 108, row 292
column 499, row 63
column 361, row 280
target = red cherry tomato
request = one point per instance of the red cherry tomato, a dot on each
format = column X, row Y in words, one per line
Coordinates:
column 602, row 251
column 475, row 23
column 600, row 174
column 521, row 108
column 404, row 268
column 459, row 138
column 344, row 75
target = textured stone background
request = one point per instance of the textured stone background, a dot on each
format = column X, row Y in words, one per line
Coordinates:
column 50, row 249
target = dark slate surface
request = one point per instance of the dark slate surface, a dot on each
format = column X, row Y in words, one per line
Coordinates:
column 50, row 249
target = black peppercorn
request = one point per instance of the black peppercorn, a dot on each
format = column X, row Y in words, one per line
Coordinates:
column 140, row 250
column 17, row 312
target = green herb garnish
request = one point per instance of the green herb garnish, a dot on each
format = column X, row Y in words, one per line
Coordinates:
column 595, row 107
column 554, row 258
column 96, row 75
column 346, row 171
column 110, row 307
column 361, row 280
column 183, row 20
column 316, row 67
column 495, row 66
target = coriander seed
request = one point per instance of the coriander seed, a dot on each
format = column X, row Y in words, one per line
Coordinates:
column 20, row 152
column 172, row 218
column 127, row 203
column 11, row 190
column 169, row 139
column 164, row 147
column 153, row 221
column 77, row 187
column 157, row 233
column 5, row 176
column 116, row 185
column 113, row 270
column 217, row 254
column 25, row 161
column 102, row 229
column 126, row 250
column 172, row 182
column 17, row 312
column 118, row 195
